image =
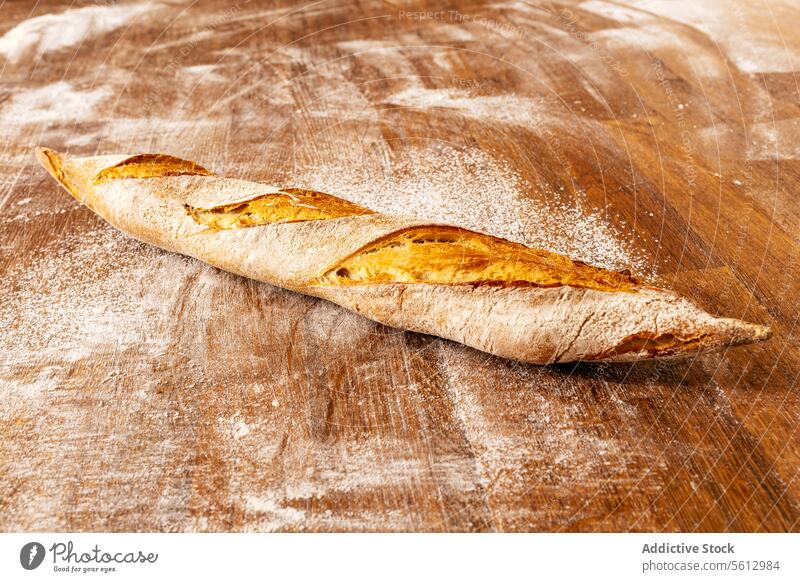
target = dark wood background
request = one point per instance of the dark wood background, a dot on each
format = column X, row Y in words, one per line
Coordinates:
column 144, row 391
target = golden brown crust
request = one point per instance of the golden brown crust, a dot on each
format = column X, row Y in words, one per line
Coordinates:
column 433, row 254
column 52, row 162
column 150, row 166
column 448, row 255
column 288, row 205
column 485, row 292
column 651, row 343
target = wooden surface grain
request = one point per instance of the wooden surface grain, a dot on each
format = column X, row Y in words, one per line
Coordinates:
column 143, row 391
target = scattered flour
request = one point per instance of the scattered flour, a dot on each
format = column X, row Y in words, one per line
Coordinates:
column 621, row 14
column 209, row 72
column 52, row 32
column 239, row 428
column 650, row 37
column 469, row 188
column 271, row 514
column 90, row 295
column 775, row 140
column 56, row 102
column 750, row 34
column 506, row 108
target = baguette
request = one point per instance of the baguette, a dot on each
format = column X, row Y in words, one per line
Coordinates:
column 486, row 292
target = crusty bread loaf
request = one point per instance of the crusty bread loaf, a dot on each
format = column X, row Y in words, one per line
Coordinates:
column 492, row 294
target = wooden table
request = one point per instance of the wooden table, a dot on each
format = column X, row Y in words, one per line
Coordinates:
column 145, row 391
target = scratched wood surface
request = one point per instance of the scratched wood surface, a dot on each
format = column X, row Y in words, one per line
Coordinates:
column 142, row 391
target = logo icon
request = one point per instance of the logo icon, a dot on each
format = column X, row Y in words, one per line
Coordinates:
column 31, row 555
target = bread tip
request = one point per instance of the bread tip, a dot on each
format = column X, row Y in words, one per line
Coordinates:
column 43, row 155
column 749, row 333
column 47, row 157
column 57, row 166
column 761, row 332
column 42, row 152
